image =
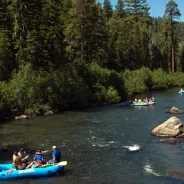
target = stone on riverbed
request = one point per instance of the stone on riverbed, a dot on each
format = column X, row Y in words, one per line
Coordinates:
column 171, row 140
column 48, row 113
column 21, row 117
column 172, row 127
column 175, row 110
column 178, row 175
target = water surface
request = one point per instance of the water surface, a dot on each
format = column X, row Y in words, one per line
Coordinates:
column 92, row 141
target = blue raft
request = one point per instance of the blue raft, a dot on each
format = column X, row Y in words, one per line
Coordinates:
column 181, row 91
column 140, row 104
column 7, row 172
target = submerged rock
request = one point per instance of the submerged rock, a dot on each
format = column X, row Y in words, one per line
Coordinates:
column 178, row 175
column 21, row 117
column 180, row 136
column 169, row 140
column 175, row 110
column 48, row 113
column 172, row 127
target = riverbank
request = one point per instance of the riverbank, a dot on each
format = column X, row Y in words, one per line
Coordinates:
column 33, row 92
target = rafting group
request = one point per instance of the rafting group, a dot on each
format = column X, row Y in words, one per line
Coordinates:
column 23, row 167
column 21, row 159
column 140, row 102
column 181, row 90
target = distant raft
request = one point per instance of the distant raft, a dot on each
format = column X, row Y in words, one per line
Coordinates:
column 7, row 171
column 182, row 91
column 140, row 104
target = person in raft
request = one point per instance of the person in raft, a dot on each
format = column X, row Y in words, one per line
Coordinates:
column 38, row 160
column 181, row 90
column 56, row 156
column 17, row 161
column 24, row 156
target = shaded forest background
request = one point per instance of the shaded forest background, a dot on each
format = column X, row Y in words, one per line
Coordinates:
column 68, row 54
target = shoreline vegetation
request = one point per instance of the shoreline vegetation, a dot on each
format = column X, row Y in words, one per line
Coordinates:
column 32, row 88
column 74, row 54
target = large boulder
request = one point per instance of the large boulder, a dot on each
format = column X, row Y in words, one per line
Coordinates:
column 172, row 127
column 175, row 110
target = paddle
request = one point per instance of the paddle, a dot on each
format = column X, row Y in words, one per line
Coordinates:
column 9, row 171
column 63, row 163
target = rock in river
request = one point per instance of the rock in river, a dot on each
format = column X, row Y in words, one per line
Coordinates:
column 175, row 110
column 172, row 127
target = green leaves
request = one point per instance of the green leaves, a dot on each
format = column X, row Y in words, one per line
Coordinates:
column 172, row 12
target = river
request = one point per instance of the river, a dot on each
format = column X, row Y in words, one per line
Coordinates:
column 92, row 141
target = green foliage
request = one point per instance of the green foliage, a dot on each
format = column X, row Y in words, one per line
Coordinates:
column 74, row 53
column 172, row 12
column 67, row 89
column 107, row 95
column 137, row 81
column 23, row 91
column 107, row 7
column 120, row 8
column 103, row 83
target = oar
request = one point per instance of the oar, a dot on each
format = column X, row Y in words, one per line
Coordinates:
column 9, row 171
column 62, row 163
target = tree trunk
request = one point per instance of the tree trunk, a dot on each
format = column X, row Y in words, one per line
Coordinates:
column 172, row 59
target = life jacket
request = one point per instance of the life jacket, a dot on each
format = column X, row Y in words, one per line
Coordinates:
column 39, row 157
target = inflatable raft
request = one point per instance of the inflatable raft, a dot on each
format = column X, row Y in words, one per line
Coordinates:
column 7, row 171
column 181, row 91
column 140, row 104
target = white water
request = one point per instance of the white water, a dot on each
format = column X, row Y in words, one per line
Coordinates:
column 149, row 170
column 134, row 147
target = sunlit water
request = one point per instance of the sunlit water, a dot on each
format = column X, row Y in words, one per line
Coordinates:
column 109, row 145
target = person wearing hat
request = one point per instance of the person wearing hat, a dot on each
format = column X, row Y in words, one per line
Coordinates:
column 56, row 156
column 38, row 159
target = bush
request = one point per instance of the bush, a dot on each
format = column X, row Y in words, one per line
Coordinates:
column 137, row 81
column 23, row 91
column 106, row 85
column 161, row 79
column 106, row 95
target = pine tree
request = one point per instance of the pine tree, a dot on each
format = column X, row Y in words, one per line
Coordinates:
column 137, row 7
column 107, row 8
column 120, row 8
column 138, row 23
column 83, row 32
column 7, row 60
column 171, row 14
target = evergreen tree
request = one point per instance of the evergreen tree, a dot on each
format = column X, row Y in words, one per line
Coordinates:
column 138, row 23
column 120, row 8
column 171, row 13
column 7, row 60
column 84, row 32
column 107, row 7
column 137, row 7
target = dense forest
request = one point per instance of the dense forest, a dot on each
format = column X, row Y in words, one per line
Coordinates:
column 68, row 54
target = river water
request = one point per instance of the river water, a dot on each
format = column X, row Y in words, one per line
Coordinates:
column 94, row 143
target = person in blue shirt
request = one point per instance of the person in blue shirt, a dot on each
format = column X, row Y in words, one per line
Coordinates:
column 38, row 160
column 56, row 156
